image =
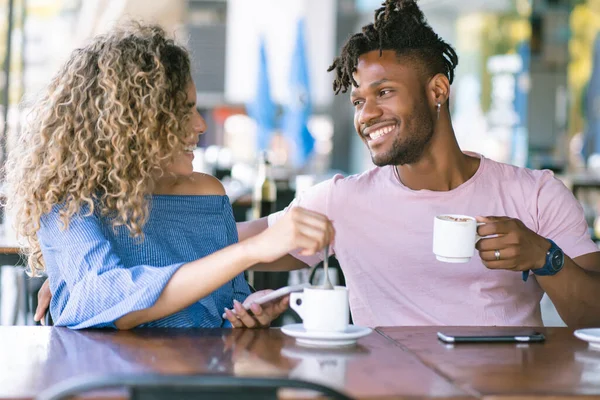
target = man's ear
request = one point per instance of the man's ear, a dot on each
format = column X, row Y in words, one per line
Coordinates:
column 439, row 89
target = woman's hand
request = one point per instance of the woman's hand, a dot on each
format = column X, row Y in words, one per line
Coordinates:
column 260, row 315
column 299, row 228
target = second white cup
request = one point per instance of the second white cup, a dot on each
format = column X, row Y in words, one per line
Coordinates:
column 322, row 310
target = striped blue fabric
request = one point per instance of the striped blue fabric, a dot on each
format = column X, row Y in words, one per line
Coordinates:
column 97, row 274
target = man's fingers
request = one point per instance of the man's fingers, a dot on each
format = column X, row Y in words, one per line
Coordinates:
column 508, row 253
column 501, row 264
column 491, row 218
column 495, row 243
column 499, row 227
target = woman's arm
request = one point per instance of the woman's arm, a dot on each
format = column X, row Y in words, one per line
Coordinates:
column 246, row 230
column 252, row 228
column 194, row 281
column 299, row 229
column 188, row 271
column 97, row 290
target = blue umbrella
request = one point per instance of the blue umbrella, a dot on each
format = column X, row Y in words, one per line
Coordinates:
column 262, row 109
column 591, row 107
column 298, row 110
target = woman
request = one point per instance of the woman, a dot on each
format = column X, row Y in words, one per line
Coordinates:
column 104, row 192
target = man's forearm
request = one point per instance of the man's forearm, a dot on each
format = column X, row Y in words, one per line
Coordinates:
column 286, row 263
column 574, row 292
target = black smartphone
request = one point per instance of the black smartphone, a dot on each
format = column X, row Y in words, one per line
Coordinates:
column 500, row 336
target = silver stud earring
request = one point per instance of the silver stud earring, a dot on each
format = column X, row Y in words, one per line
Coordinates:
column 439, row 106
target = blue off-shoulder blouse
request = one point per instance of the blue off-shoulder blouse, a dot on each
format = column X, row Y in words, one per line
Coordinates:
column 97, row 274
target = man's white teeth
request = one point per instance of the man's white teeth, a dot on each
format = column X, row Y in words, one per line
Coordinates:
column 380, row 132
column 190, row 148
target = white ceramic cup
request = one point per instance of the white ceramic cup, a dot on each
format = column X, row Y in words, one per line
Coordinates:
column 322, row 310
column 326, row 370
column 454, row 237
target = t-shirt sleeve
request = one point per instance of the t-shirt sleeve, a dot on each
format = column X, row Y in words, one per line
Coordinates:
column 561, row 218
column 316, row 199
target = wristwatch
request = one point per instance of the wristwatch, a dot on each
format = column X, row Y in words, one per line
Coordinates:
column 555, row 260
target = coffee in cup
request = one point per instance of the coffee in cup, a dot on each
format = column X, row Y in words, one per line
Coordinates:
column 454, row 218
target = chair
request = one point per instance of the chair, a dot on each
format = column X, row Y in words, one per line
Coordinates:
column 184, row 387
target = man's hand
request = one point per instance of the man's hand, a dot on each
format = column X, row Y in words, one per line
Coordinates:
column 260, row 316
column 44, row 297
column 515, row 248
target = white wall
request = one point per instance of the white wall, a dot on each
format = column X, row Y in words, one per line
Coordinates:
column 277, row 21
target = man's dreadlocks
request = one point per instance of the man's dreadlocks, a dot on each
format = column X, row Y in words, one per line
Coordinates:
column 400, row 26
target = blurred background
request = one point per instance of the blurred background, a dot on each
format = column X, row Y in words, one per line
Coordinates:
column 526, row 92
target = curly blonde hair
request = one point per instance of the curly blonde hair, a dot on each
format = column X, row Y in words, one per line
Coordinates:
column 109, row 120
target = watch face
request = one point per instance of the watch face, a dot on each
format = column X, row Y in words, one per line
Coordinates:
column 557, row 259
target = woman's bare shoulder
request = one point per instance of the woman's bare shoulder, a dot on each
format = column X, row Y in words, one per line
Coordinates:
column 200, row 184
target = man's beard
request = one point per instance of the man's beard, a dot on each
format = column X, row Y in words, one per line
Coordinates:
column 411, row 149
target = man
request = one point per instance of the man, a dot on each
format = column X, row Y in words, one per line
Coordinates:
column 399, row 73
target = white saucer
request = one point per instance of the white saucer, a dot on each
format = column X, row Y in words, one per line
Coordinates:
column 325, row 339
column 590, row 335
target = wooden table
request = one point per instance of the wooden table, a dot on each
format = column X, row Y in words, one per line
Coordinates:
column 391, row 363
column 27, row 287
column 34, row 358
column 10, row 255
column 561, row 367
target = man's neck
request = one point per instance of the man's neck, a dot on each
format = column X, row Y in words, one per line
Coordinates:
column 442, row 167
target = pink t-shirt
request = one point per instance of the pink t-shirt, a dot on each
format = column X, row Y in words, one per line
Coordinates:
column 384, row 234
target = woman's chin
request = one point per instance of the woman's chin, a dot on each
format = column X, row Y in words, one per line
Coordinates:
column 186, row 174
column 181, row 172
